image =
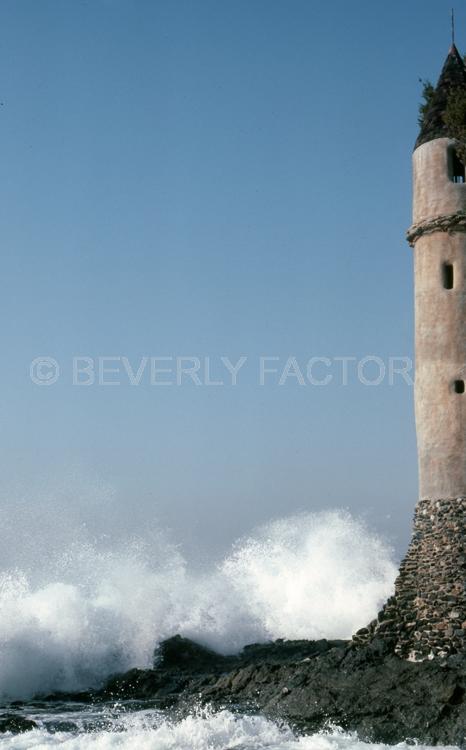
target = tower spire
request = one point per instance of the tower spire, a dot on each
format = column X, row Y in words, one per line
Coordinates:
column 453, row 27
column 452, row 79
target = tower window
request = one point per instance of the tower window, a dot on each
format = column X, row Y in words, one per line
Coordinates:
column 447, row 276
column 457, row 170
column 459, row 386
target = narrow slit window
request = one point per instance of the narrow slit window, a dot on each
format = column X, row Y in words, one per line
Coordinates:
column 459, row 386
column 457, row 168
column 448, row 276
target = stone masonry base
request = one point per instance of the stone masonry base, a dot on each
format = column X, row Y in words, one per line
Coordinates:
column 427, row 615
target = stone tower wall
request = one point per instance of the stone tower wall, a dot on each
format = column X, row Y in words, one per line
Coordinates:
column 434, row 193
column 440, row 315
column 427, row 615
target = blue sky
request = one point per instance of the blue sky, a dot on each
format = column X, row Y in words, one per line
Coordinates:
column 209, row 179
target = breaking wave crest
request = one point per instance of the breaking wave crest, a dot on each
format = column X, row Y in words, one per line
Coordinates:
column 150, row 730
column 91, row 609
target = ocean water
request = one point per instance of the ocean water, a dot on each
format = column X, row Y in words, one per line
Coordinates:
column 89, row 607
column 120, row 727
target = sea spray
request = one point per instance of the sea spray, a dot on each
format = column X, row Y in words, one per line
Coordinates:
column 202, row 730
column 319, row 575
column 103, row 610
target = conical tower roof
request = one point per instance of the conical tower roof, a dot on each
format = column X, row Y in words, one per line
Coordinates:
column 452, row 77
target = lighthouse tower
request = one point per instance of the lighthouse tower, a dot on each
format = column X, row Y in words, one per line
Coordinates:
column 427, row 615
column 439, row 241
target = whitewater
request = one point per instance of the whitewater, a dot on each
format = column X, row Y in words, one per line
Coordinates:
column 151, row 730
column 86, row 607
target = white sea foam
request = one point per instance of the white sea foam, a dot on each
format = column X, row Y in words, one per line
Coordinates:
column 216, row 731
column 90, row 609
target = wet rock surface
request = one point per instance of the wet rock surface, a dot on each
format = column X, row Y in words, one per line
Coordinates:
column 311, row 684
column 15, row 724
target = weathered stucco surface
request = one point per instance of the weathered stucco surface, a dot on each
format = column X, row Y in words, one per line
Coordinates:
column 440, row 316
column 434, row 192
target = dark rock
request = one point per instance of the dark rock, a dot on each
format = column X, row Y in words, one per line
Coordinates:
column 184, row 654
column 16, row 724
column 279, row 652
column 363, row 688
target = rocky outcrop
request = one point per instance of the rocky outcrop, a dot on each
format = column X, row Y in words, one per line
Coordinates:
column 310, row 684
